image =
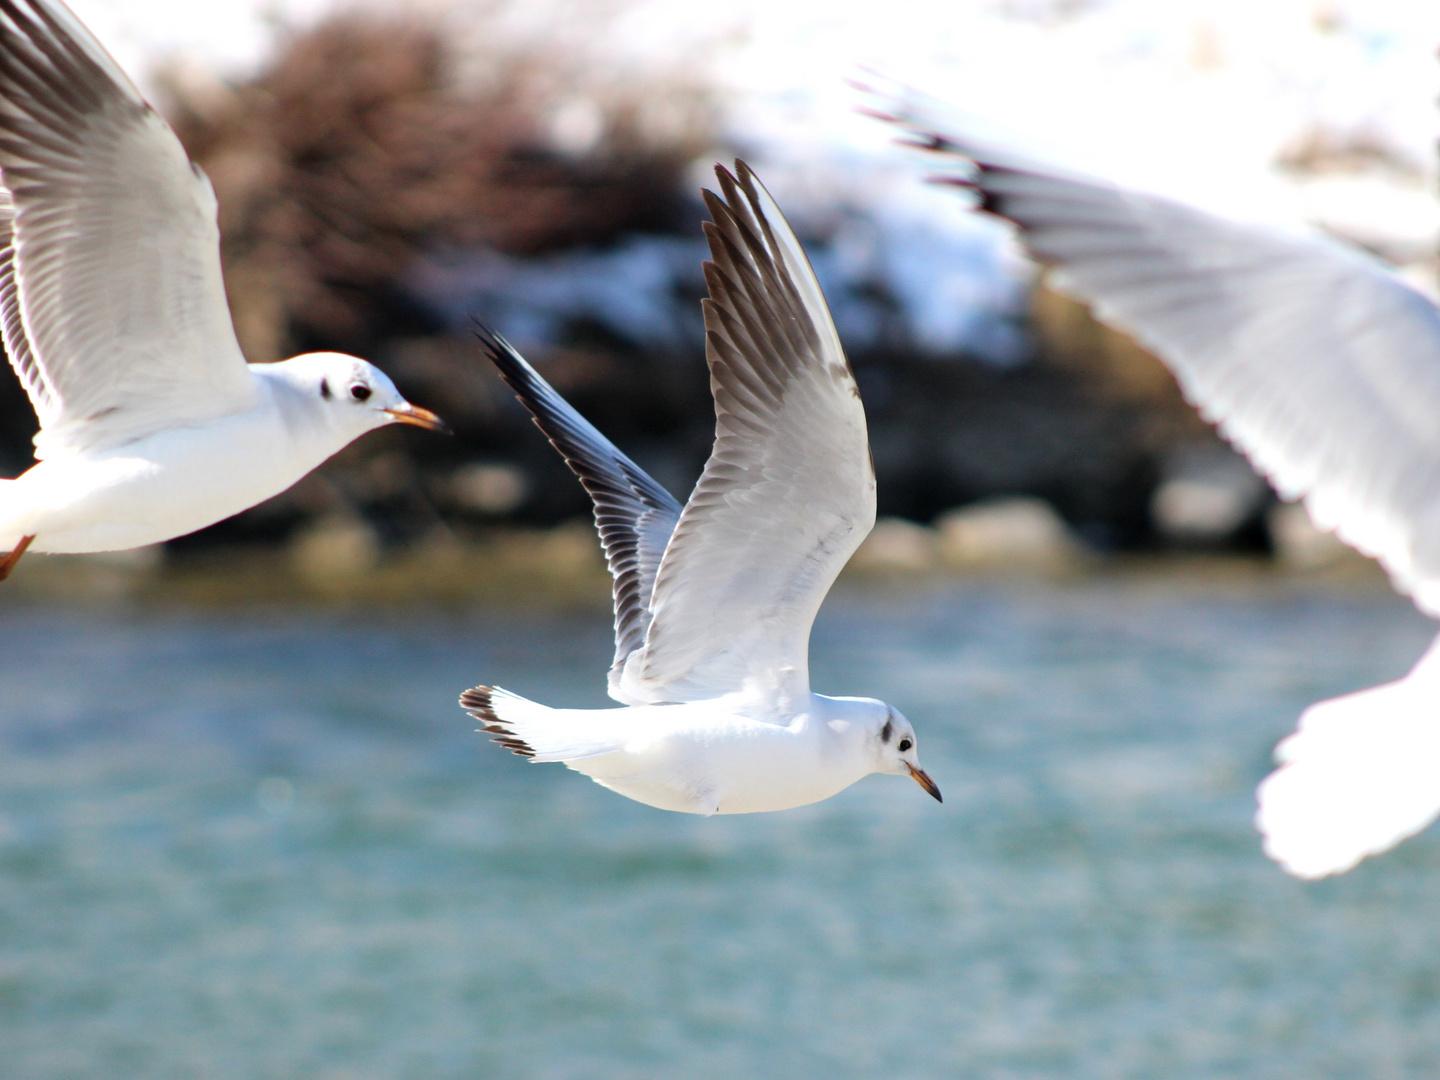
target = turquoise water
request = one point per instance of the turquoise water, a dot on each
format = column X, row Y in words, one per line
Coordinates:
column 267, row 844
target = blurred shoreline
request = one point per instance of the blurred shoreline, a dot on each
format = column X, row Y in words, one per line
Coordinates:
column 384, row 178
column 563, row 568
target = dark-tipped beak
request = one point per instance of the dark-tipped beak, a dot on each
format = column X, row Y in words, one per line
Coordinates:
column 421, row 418
column 923, row 779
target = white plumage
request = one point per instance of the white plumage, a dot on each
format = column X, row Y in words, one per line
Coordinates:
column 1324, row 369
column 113, row 314
column 714, row 601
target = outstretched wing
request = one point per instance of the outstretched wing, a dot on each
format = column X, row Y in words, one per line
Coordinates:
column 789, row 490
column 112, row 305
column 12, row 327
column 634, row 514
column 1317, row 363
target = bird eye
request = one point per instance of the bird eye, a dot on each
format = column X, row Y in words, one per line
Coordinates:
column 904, row 745
column 360, row 392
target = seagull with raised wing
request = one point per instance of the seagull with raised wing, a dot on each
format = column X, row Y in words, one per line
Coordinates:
column 714, row 601
column 113, row 314
column 1323, row 368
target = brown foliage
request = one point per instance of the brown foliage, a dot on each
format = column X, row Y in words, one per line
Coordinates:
column 360, row 146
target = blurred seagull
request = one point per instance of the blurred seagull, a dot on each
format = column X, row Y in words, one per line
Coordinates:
column 1320, row 366
column 113, row 314
column 714, row 602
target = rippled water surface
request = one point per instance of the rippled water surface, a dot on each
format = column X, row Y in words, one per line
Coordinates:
column 267, row 844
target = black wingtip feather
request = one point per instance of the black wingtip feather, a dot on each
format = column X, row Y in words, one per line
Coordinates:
column 633, row 513
column 500, row 352
column 479, row 702
column 988, row 200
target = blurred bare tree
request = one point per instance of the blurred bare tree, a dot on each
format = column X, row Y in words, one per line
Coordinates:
column 371, row 138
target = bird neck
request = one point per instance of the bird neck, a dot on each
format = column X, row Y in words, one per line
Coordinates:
column 847, row 728
column 311, row 429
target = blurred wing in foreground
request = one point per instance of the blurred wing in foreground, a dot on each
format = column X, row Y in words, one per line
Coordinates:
column 634, row 515
column 112, row 303
column 1314, row 360
column 788, row 493
column 1360, row 774
column 1324, row 369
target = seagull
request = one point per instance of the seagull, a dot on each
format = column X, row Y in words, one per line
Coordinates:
column 113, row 315
column 1323, row 368
column 714, row 600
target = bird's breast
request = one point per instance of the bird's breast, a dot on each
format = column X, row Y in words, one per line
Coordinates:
column 163, row 485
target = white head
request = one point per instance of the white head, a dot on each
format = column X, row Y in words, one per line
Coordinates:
column 897, row 753
column 350, row 395
column 889, row 740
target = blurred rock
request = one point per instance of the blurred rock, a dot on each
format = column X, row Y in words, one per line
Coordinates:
column 1207, row 494
column 105, row 577
column 1006, row 531
column 333, row 551
column 570, row 549
column 1070, row 338
column 895, row 544
column 495, row 490
column 1299, row 544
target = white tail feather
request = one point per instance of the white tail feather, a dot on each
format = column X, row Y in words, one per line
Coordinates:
column 538, row 731
column 1360, row 774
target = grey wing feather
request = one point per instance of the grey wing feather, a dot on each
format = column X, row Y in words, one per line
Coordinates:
column 12, row 327
column 789, row 490
column 1313, row 359
column 635, row 516
column 115, row 282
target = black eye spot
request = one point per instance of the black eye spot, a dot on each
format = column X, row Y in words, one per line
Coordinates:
column 887, row 731
column 360, row 392
column 325, row 389
column 905, row 744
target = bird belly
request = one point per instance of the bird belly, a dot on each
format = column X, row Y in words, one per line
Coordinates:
column 747, row 768
column 148, row 491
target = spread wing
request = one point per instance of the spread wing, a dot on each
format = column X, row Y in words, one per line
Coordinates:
column 634, row 514
column 1316, row 362
column 112, row 305
column 789, row 490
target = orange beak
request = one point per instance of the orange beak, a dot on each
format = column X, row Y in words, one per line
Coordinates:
column 421, row 418
column 923, row 779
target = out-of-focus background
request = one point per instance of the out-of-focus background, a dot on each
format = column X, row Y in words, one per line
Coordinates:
column 385, row 172
column 244, row 830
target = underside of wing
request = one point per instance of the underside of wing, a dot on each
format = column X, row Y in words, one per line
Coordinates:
column 114, row 281
column 634, row 515
column 12, row 328
column 789, row 490
column 1315, row 361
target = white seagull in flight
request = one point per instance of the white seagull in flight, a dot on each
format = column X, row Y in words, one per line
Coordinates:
column 714, row 601
column 113, row 314
column 1323, row 368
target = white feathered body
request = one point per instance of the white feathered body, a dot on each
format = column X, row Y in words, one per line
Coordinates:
column 704, row 757
column 170, row 483
column 114, row 318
